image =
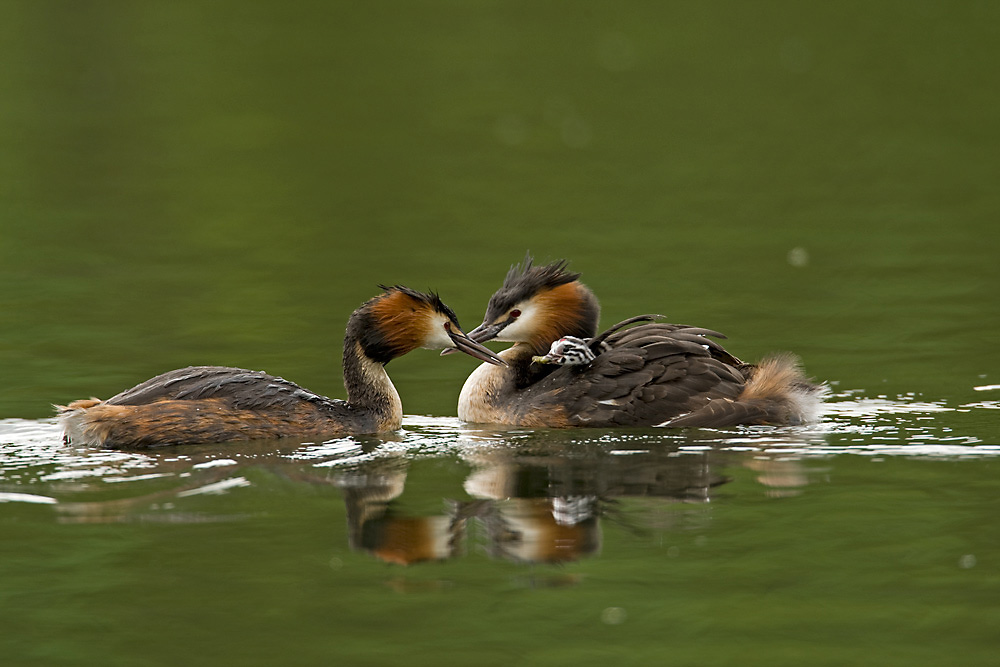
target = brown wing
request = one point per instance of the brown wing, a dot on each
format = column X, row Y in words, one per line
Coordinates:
column 697, row 335
column 242, row 389
column 651, row 374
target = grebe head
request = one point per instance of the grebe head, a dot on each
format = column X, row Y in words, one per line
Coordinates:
column 401, row 319
column 567, row 351
column 537, row 305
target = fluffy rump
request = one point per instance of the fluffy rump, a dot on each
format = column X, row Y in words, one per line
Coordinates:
column 780, row 387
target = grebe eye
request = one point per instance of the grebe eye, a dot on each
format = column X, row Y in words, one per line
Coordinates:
column 514, row 314
column 447, row 326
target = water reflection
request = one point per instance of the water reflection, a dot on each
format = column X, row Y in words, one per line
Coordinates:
column 541, row 504
column 522, row 496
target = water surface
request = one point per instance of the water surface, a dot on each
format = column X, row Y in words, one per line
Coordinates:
column 193, row 183
column 497, row 545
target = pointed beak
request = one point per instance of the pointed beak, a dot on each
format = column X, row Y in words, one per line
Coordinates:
column 464, row 343
column 485, row 332
column 480, row 334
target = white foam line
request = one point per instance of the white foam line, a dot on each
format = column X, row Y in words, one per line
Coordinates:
column 216, row 463
column 138, row 478
column 26, row 498
column 217, row 487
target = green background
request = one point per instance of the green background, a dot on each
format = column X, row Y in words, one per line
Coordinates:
column 224, row 182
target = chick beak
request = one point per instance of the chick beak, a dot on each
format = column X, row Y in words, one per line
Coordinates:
column 464, row 343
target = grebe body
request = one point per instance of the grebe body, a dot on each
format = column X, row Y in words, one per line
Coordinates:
column 637, row 373
column 206, row 404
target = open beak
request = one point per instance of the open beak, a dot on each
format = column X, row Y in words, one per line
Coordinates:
column 464, row 343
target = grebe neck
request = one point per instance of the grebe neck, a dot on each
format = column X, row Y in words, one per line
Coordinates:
column 369, row 389
column 490, row 392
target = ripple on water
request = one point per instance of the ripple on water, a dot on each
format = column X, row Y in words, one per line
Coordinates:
column 32, row 451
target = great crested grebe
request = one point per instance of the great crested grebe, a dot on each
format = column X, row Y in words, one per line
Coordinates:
column 206, row 404
column 637, row 373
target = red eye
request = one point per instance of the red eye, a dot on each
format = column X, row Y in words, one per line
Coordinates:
column 514, row 314
column 447, row 326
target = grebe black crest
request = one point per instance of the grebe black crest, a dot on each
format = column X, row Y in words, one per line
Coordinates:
column 640, row 372
column 537, row 305
column 206, row 404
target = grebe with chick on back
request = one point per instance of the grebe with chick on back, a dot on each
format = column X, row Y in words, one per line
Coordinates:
column 208, row 404
column 637, row 373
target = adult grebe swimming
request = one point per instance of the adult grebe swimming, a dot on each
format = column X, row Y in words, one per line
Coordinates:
column 206, row 404
column 637, row 373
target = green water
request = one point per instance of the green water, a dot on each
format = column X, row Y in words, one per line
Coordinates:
column 223, row 183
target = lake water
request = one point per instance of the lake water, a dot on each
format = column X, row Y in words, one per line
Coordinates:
column 223, row 184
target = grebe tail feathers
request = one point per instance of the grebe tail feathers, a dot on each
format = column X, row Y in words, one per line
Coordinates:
column 777, row 392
